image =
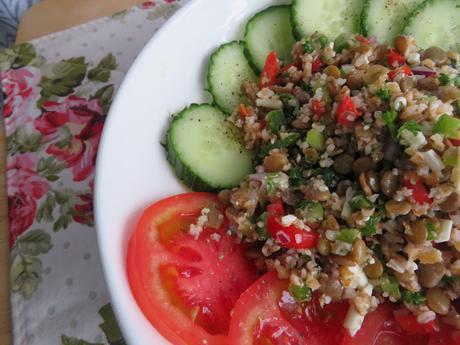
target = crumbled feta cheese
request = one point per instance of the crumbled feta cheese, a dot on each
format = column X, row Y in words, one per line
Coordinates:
column 399, row 103
column 354, row 320
column 415, row 141
column 433, row 160
column 413, row 58
column 288, row 219
column 444, row 231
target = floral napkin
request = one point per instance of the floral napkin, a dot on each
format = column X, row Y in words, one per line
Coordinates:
column 56, row 94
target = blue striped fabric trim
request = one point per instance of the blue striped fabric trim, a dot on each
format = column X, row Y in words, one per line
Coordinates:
column 10, row 14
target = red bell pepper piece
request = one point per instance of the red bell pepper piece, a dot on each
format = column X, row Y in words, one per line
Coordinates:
column 395, row 59
column 419, row 192
column 455, row 142
column 288, row 236
column 270, row 70
column 404, row 69
column 316, row 65
column 318, row 107
column 244, row 110
column 347, row 112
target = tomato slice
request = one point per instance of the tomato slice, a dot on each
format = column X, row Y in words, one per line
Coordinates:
column 186, row 287
column 446, row 336
column 380, row 328
column 408, row 322
column 257, row 318
column 347, row 112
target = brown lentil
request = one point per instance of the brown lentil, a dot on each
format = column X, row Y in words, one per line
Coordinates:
column 438, row 301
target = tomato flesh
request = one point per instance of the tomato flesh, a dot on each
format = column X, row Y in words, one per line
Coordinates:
column 186, row 286
column 408, row 322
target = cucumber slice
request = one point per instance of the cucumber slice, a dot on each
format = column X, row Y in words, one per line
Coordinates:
column 435, row 23
column 228, row 68
column 385, row 19
column 267, row 31
column 329, row 17
column 205, row 150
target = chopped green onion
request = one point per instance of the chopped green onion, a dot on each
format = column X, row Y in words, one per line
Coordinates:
column 308, row 46
column 443, row 79
column 359, row 202
column 290, row 140
column 315, row 139
column 389, row 117
column 330, row 177
column 348, row 235
column 275, row 120
column 341, row 42
column 370, row 229
column 410, row 126
column 432, row 232
column 390, row 285
column 262, row 231
column 448, row 126
column 384, row 94
column 311, row 211
column 300, row 293
column 323, row 40
column 414, row 298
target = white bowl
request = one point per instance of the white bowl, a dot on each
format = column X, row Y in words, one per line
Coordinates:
column 132, row 171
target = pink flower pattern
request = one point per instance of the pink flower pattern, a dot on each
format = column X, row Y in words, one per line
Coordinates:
column 25, row 188
column 21, row 94
column 85, row 120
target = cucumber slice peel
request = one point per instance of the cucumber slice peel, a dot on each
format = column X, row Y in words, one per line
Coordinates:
column 435, row 23
column 269, row 30
column 331, row 17
column 205, row 150
column 228, row 68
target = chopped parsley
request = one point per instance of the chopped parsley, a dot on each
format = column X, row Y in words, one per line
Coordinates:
column 443, row 79
column 370, row 229
column 389, row 117
column 330, row 177
column 300, row 293
column 384, row 94
column 410, row 126
column 323, row 41
column 308, row 46
column 414, row 298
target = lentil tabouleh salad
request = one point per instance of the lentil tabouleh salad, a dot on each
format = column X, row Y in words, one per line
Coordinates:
column 335, row 165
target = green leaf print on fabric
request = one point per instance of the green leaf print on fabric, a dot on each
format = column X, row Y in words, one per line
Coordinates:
column 105, row 95
column 110, row 326
column 21, row 141
column 102, row 71
column 17, row 56
column 34, row 243
column 49, row 168
column 26, row 271
column 45, row 211
column 61, row 78
column 65, row 340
